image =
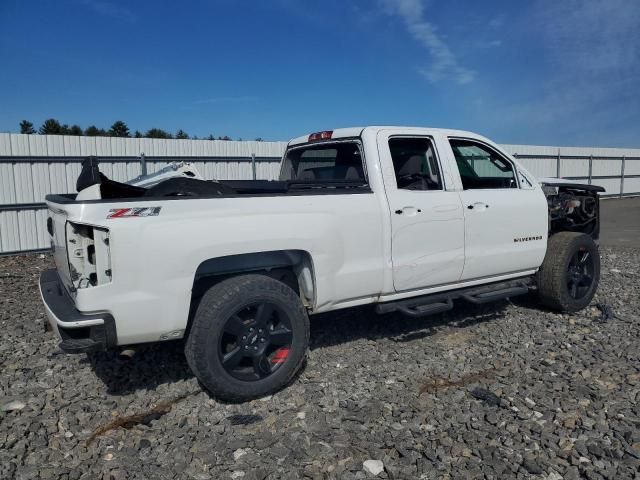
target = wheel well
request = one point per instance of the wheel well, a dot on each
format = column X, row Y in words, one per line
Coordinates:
column 292, row 267
column 573, row 209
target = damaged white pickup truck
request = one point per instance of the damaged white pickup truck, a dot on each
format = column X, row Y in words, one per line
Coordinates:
column 411, row 219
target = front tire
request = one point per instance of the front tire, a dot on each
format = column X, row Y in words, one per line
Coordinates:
column 569, row 275
column 249, row 337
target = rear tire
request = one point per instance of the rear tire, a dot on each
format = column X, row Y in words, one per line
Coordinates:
column 249, row 337
column 569, row 275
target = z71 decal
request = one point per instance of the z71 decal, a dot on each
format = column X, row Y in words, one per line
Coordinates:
column 134, row 212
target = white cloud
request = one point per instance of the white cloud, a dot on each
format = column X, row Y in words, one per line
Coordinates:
column 584, row 86
column 444, row 64
column 110, row 9
column 591, row 36
column 593, row 47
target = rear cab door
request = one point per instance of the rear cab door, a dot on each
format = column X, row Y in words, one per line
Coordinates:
column 427, row 219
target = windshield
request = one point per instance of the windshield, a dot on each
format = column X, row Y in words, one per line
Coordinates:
column 326, row 162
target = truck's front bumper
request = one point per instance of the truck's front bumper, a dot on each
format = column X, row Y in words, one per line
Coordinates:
column 79, row 332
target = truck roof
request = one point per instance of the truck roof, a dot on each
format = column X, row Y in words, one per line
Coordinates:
column 351, row 132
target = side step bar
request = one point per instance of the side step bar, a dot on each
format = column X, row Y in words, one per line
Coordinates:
column 438, row 303
column 426, row 309
column 497, row 295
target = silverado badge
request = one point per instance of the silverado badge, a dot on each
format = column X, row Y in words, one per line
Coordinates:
column 527, row 239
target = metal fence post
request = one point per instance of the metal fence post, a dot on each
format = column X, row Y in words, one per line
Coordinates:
column 253, row 165
column 558, row 165
column 590, row 167
column 624, row 157
column 143, row 164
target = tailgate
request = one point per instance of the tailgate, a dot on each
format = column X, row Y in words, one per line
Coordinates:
column 56, row 225
column 81, row 251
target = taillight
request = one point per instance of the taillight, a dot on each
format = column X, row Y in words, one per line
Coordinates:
column 326, row 135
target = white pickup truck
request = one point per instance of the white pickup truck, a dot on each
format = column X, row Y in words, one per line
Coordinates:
column 411, row 219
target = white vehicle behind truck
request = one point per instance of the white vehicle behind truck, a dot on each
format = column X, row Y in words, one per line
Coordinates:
column 411, row 219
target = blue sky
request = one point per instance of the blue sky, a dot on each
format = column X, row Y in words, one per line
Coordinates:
column 539, row 72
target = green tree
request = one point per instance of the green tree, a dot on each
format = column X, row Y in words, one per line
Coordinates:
column 259, row 139
column 94, row 131
column 157, row 133
column 137, row 134
column 211, row 137
column 64, row 129
column 91, row 131
column 182, row 135
column 75, row 130
column 119, row 129
column 27, row 127
column 50, row 126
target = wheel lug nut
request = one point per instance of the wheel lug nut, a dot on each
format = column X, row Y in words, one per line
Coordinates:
column 251, row 329
column 255, row 348
column 262, row 339
column 259, row 330
column 246, row 347
column 244, row 337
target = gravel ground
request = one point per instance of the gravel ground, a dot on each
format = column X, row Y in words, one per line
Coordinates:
column 501, row 391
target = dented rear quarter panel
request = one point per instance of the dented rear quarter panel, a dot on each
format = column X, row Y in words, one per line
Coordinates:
column 154, row 258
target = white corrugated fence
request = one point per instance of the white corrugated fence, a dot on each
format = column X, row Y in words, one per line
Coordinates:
column 32, row 166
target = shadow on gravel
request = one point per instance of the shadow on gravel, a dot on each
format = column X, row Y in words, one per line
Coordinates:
column 152, row 365
column 363, row 322
column 162, row 363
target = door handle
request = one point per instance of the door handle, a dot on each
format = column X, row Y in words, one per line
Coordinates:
column 478, row 205
column 409, row 211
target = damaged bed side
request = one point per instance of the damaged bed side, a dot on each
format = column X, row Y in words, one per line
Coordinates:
column 573, row 206
column 176, row 179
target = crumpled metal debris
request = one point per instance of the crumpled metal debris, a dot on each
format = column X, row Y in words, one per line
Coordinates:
column 486, row 396
column 606, row 313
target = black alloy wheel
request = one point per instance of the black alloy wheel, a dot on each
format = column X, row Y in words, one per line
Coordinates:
column 256, row 341
column 580, row 274
column 568, row 277
column 249, row 337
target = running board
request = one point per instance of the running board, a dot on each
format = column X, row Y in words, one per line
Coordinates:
column 427, row 309
column 438, row 303
column 497, row 295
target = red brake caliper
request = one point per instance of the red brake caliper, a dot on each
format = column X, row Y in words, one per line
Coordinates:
column 280, row 355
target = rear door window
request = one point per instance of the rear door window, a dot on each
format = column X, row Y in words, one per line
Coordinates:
column 415, row 163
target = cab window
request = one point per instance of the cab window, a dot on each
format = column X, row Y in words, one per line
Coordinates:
column 340, row 161
column 480, row 167
column 415, row 164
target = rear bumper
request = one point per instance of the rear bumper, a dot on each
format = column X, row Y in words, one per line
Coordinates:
column 79, row 332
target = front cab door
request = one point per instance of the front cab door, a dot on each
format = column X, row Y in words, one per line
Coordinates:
column 427, row 220
column 505, row 213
